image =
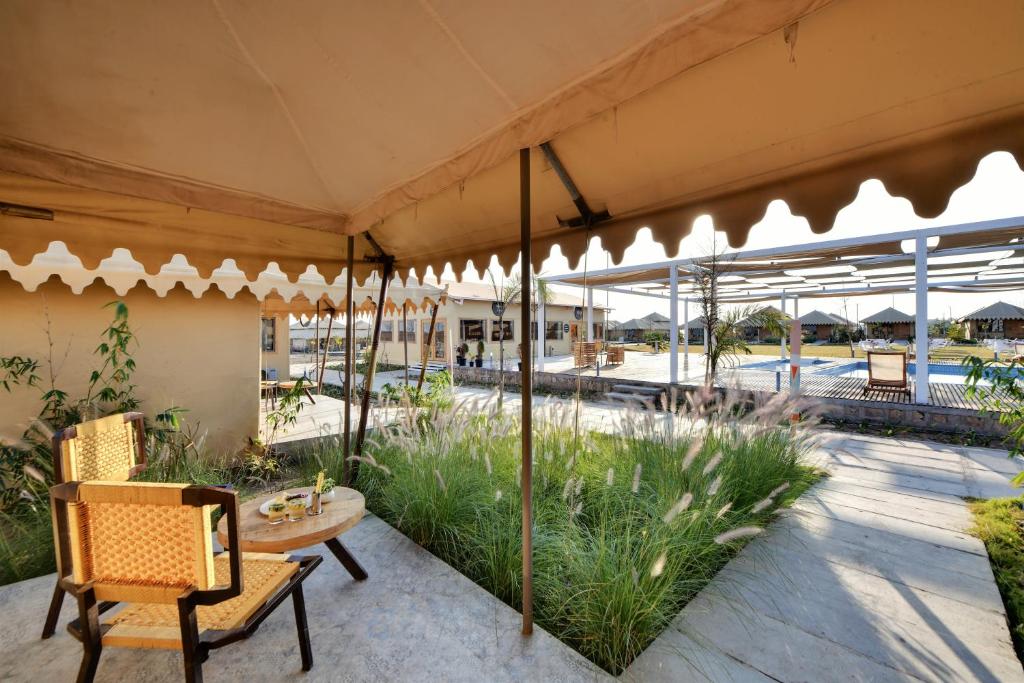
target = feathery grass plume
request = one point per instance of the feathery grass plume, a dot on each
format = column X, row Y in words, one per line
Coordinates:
column 724, row 509
column 636, row 477
column 579, row 486
column 487, row 464
column 761, row 505
column 610, row 479
column 635, row 574
column 497, row 495
column 712, row 463
column 679, row 506
column 659, row 565
column 737, row 533
column 692, row 452
column 440, row 480
column 715, row 485
column 567, row 488
column 778, row 489
column 578, row 509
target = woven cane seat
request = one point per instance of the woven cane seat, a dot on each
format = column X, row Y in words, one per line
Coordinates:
column 151, row 625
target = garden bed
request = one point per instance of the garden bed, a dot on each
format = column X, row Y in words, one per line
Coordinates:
column 629, row 526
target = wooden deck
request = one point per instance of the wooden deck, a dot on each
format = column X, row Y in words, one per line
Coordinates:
column 852, row 388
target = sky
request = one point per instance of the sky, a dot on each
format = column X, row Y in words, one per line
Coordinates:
column 996, row 191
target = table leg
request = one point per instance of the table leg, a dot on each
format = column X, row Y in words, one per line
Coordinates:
column 350, row 563
column 311, row 399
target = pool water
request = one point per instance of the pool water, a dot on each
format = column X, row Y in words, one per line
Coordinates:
column 783, row 364
column 939, row 373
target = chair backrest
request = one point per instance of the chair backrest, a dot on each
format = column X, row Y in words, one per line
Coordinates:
column 111, row 448
column 138, row 541
column 887, row 367
column 272, row 374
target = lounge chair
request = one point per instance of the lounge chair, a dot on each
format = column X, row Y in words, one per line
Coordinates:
column 112, row 448
column 887, row 371
column 149, row 545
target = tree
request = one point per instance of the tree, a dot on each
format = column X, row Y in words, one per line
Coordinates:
column 724, row 330
column 508, row 293
column 1003, row 395
column 849, row 325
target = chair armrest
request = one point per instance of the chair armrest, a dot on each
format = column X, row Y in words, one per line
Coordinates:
column 228, row 502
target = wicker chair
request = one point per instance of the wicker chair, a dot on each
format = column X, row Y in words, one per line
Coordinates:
column 149, row 545
column 109, row 449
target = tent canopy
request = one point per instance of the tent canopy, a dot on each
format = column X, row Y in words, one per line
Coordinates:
column 263, row 131
column 1000, row 310
column 888, row 316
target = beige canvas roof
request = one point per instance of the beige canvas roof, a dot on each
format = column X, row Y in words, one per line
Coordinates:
column 265, row 131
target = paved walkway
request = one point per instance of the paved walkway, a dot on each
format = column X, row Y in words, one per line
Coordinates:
column 871, row 577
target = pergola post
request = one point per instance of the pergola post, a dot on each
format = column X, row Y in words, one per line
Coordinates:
column 686, row 335
column 782, row 337
column 921, row 320
column 541, row 333
column 795, row 336
column 527, row 387
column 349, row 359
column 673, row 322
column 590, row 314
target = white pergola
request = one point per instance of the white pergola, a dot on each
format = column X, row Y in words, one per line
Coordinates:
column 985, row 256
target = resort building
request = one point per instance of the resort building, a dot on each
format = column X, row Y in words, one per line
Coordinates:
column 757, row 334
column 889, row 324
column 823, row 326
column 998, row 321
column 635, row 329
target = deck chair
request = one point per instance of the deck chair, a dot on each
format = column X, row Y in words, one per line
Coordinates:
column 887, row 371
column 112, row 448
column 149, row 545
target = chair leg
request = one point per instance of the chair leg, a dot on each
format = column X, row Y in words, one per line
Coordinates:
column 305, row 649
column 92, row 644
column 190, row 642
column 345, row 557
column 50, row 627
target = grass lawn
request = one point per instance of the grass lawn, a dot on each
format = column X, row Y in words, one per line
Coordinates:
column 998, row 523
column 628, row 528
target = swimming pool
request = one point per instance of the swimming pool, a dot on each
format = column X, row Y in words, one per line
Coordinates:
column 783, row 365
column 939, row 373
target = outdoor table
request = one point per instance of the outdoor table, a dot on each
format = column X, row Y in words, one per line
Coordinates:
column 268, row 387
column 289, row 386
column 256, row 534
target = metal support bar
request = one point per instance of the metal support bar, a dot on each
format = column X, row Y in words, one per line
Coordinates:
column 542, row 337
column 428, row 343
column 526, row 480
column 587, row 216
column 921, row 320
column 795, row 336
column 327, row 349
column 590, row 314
column 371, row 366
column 686, row 335
column 782, row 337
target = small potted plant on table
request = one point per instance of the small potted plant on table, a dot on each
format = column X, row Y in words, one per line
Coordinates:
column 480, row 353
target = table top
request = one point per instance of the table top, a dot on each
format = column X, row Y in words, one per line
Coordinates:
column 258, row 535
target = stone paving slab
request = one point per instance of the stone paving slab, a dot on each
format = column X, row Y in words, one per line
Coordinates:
column 871, row 576
column 414, row 619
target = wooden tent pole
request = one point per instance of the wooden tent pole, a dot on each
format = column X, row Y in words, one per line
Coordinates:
column 371, row 365
column 323, row 361
column 527, row 380
column 316, row 338
column 349, row 360
column 426, row 347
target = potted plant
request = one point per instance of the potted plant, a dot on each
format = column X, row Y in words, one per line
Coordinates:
column 480, row 353
column 460, row 353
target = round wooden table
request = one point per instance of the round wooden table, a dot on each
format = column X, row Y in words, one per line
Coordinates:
column 256, row 534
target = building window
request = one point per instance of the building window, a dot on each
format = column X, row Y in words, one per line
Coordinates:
column 409, row 333
column 268, row 334
column 553, row 330
column 387, row 330
column 496, row 328
column 472, row 330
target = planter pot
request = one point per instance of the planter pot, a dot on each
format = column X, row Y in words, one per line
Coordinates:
column 327, row 497
column 479, row 362
column 462, row 362
column 520, row 366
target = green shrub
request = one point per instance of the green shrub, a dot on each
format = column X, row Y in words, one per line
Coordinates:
column 619, row 546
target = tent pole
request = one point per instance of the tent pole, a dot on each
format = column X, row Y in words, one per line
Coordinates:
column 686, row 335
column 316, row 342
column 371, row 364
column 349, row 357
column 527, row 379
column 327, row 349
column 426, row 347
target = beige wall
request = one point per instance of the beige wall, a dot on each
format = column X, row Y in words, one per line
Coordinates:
column 453, row 311
column 199, row 354
column 278, row 358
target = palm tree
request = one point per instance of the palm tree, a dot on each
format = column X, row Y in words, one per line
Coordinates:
column 511, row 293
column 503, row 296
column 727, row 339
